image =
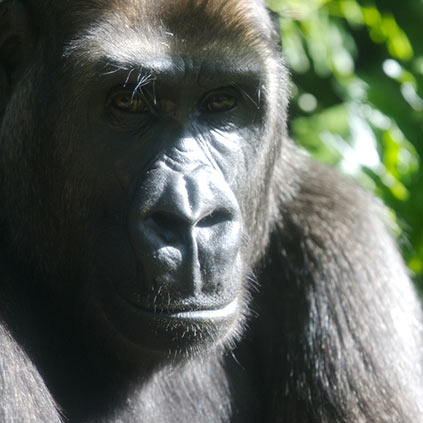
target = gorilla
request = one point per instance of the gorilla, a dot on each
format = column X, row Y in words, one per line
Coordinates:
column 167, row 254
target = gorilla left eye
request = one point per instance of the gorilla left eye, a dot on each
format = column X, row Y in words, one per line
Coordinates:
column 219, row 102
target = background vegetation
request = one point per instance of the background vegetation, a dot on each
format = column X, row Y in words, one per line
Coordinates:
column 357, row 69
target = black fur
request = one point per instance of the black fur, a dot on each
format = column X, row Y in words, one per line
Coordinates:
column 329, row 328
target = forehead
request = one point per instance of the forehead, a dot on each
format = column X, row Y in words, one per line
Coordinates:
column 130, row 28
column 180, row 13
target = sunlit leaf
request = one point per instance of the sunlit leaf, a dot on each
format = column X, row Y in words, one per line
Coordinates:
column 358, row 87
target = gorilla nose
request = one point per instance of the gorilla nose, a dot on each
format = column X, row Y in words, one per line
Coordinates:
column 187, row 236
column 171, row 222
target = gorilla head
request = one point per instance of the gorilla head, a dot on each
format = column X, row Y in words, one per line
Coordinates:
column 147, row 150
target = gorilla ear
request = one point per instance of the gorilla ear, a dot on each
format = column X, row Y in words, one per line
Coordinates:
column 14, row 43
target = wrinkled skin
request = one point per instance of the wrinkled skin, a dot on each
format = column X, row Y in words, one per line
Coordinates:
column 167, row 255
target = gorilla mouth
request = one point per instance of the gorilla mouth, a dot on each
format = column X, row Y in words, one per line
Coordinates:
column 176, row 330
column 206, row 314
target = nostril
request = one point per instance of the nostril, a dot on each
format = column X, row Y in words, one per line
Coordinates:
column 171, row 222
column 215, row 217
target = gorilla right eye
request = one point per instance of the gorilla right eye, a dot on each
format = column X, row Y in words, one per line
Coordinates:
column 129, row 102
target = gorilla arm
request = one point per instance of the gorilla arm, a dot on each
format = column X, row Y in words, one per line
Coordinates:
column 346, row 314
column 24, row 397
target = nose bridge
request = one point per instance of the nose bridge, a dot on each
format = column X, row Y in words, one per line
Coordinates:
column 183, row 182
column 185, row 156
column 189, row 193
column 202, row 195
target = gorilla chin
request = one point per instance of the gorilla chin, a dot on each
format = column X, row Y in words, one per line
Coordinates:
column 175, row 332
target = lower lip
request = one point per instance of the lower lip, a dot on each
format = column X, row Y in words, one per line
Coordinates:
column 221, row 313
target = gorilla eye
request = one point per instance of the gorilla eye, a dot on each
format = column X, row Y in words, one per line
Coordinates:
column 219, row 102
column 130, row 103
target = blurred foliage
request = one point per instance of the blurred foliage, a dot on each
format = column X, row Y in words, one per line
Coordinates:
column 357, row 70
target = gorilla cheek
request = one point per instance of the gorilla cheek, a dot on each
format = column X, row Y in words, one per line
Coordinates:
column 116, row 262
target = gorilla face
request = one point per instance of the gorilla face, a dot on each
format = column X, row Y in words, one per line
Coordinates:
column 174, row 261
column 151, row 213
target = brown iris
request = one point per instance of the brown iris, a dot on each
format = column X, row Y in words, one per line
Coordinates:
column 219, row 102
column 130, row 103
